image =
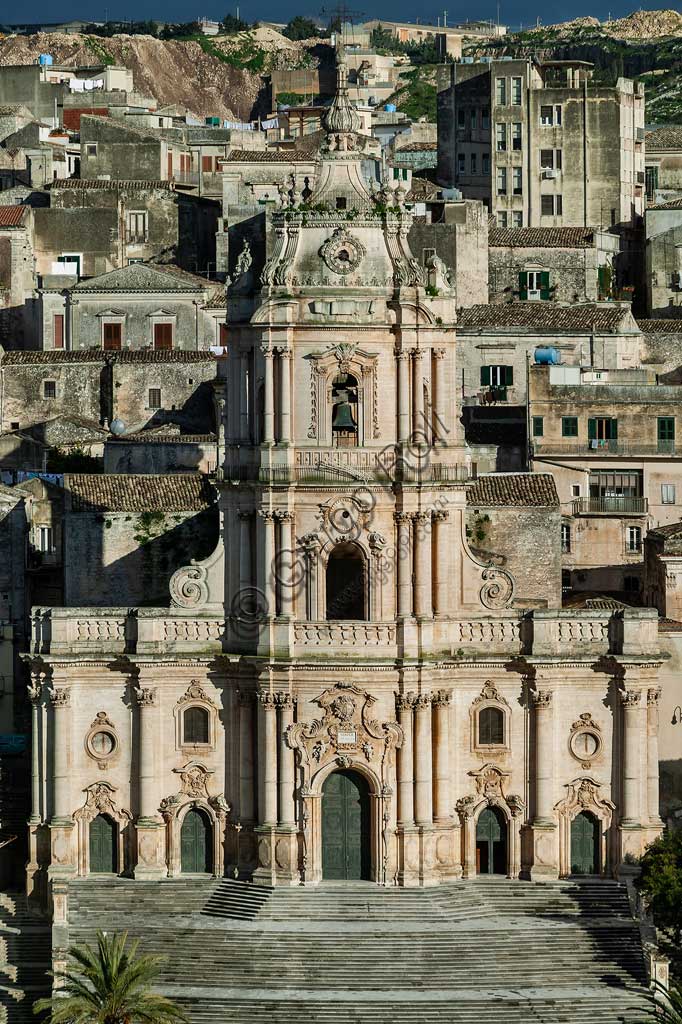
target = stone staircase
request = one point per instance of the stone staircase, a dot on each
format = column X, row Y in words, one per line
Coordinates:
column 25, row 958
column 486, row 950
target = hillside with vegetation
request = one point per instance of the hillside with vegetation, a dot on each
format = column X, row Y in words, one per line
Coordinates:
column 647, row 46
column 208, row 75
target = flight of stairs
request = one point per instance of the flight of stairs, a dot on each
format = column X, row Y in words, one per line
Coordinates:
column 484, row 950
column 25, row 959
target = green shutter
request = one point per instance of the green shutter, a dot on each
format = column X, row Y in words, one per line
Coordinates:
column 508, row 376
column 538, row 426
column 523, row 285
column 485, row 376
column 569, row 426
column 544, row 284
column 591, row 430
column 614, row 429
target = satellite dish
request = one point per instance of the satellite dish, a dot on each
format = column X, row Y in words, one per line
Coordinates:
column 117, row 427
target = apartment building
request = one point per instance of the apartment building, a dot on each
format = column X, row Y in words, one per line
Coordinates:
column 543, row 144
column 611, row 440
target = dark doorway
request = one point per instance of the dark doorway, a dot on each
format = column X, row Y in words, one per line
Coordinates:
column 195, row 844
column 491, row 842
column 103, row 843
column 346, row 583
column 346, row 850
column 585, row 844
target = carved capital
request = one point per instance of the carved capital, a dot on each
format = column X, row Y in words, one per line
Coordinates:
column 402, row 517
column 653, row 696
column 284, row 353
column 285, row 700
column 35, row 687
column 440, row 516
column 60, row 697
column 440, row 699
column 283, row 515
column 416, row 354
column 245, row 516
column 246, row 698
column 630, row 699
column 438, row 353
column 423, row 702
column 266, row 351
column 266, row 514
column 405, row 701
column 542, row 699
column 267, row 699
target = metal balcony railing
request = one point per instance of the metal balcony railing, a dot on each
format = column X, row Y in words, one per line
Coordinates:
column 601, row 448
column 619, row 505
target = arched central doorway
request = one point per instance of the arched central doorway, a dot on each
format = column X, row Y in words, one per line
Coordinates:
column 585, row 844
column 103, row 845
column 196, row 843
column 491, row 842
column 346, row 583
column 346, row 852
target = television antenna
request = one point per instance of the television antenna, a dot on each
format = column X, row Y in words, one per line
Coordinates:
column 340, row 14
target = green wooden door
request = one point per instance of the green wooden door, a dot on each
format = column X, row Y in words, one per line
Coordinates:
column 491, row 842
column 345, row 827
column 584, row 845
column 103, row 845
column 195, row 844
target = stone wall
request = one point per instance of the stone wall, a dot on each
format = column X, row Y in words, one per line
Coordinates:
column 461, row 241
column 77, row 382
column 156, row 455
column 573, row 272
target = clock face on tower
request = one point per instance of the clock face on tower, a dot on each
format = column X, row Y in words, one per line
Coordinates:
column 343, row 253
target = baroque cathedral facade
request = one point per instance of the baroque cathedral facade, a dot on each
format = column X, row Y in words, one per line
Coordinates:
column 343, row 689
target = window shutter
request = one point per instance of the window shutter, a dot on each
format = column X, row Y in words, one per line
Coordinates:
column 614, row 429
column 508, row 375
column 523, row 285
column 544, row 284
column 591, row 430
column 485, row 376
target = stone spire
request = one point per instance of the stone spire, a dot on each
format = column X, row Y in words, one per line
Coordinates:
column 342, row 117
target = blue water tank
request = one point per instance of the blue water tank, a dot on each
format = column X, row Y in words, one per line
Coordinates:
column 547, row 355
column 45, row 59
column 390, row 108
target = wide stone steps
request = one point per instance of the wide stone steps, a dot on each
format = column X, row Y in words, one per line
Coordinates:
column 25, row 958
column 488, row 950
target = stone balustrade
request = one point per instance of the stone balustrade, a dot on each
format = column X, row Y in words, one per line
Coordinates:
column 591, row 633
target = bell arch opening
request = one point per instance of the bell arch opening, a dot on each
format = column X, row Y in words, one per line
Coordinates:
column 345, row 411
column 346, row 583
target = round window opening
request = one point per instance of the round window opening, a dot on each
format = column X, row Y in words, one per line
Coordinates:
column 585, row 745
column 102, row 744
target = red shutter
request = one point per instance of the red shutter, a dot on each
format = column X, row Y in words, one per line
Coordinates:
column 58, row 330
column 222, row 338
column 163, row 336
column 170, row 163
column 207, row 163
column 112, row 337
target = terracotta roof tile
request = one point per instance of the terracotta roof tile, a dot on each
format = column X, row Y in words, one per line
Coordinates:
column 510, row 489
column 96, row 355
column 667, row 137
column 546, row 316
column 12, row 216
column 177, row 492
column 671, row 204
column 416, row 147
column 671, row 326
column 669, row 626
column 267, row 156
column 541, row 238
column 128, row 184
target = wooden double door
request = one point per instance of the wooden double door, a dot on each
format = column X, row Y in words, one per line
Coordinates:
column 491, row 842
column 103, row 845
column 346, row 843
column 585, row 845
column 196, row 843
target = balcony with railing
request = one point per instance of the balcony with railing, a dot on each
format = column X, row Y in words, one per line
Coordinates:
column 618, row 505
column 603, row 449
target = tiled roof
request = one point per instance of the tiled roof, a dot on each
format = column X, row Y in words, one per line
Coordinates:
column 669, row 626
column 12, row 216
column 9, row 109
column 96, row 355
column 422, row 189
column 541, row 238
column 417, row 147
column 666, row 532
column 217, row 301
column 267, row 156
column 671, row 326
column 548, row 316
column 143, row 277
column 667, row 137
column 529, row 489
column 128, row 184
column 177, row 492
column 671, row 204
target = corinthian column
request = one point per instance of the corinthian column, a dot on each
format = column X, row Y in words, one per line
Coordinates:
column 418, row 421
column 35, row 690
column 423, row 787
column 653, row 698
column 441, row 704
column 246, row 766
column 405, row 705
column 60, row 698
column 544, row 758
column 442, row 581
column 286, row 761
column 268, row 396
column 267, row 757
column 423, row 600
column 243, row 396
column 630, row 811
column 267, row 520
column 403, row 555
column 285, row 356
column 285, row 559
column 440, row 426
column 403, row 397
column 146, row 700
column 244, row 551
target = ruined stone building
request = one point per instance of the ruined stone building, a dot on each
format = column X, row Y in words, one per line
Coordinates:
column 363, row 680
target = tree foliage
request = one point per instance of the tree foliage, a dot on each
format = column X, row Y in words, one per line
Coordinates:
column 666, row 1008
column 660, row 882
column 180, row 31
column 117, row 28
column 109, row 985
column 300, row 28
column 232, row 25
